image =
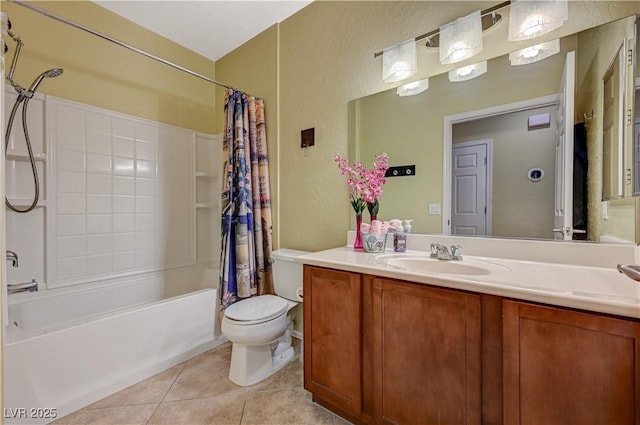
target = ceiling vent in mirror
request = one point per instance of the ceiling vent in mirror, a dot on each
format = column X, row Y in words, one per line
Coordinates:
column 534, row 53
column 461, row 39
column 399, row 62
column 413, row 88
column 468, row 72
column 529, row 18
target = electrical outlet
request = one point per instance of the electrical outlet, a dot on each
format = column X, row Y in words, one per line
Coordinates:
column 401, row 170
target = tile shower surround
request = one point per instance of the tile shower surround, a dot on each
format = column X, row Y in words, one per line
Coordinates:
column 121, row 194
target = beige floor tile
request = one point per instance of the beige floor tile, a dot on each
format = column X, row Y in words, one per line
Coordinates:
column 218, row 410
column 204, row 376
column 290, row 376
column 283, row 407
column 151, row 390
column 124, row 415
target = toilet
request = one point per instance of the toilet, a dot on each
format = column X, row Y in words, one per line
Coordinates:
column 260, row 327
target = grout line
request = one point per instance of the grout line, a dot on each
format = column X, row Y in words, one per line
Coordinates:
column 244, row 405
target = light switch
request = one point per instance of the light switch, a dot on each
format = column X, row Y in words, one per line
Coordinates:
column 434, row 209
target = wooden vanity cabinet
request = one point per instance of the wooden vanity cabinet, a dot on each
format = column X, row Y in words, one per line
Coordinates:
column 568, row 367
column 332, row 339
column 426, row 354
column 385, row 351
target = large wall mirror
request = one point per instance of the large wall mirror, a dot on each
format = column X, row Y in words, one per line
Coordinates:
column 510, row 117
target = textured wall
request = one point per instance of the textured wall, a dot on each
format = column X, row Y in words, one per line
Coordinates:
column 325, row 59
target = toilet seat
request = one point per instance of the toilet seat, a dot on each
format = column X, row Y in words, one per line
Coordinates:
column 256, row 310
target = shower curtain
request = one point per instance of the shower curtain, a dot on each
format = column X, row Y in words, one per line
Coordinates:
column 245, row 264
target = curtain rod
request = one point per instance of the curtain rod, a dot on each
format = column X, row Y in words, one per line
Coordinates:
column 118, row 42
column 434, row 32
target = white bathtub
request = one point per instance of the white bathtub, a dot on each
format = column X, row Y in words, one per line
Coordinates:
column 63, row 351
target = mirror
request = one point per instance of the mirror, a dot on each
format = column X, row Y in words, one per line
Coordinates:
column 516, row 107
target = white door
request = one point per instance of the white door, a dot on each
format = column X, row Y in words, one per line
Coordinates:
column 469, row 185
column 563, row 211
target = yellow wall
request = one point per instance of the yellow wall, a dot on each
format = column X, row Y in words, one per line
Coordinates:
column 592, row 65
column 100, row 73
column 325, row 59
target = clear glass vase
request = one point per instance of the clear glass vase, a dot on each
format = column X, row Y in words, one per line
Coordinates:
column 358, row 242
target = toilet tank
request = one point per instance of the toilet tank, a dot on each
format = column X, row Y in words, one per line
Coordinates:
column 287, row 273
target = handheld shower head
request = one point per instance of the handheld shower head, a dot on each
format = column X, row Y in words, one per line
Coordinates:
column 52, row 73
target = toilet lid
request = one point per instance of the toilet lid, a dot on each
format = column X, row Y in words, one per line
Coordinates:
column 264, row 307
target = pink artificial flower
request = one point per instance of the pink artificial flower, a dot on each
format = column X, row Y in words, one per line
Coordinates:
column 365, row 185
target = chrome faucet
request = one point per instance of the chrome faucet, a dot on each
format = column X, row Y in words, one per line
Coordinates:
column 14, row 288
column 13, row 257
column 441, row 252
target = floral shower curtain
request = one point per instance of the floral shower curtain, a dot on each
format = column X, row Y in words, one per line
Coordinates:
column 245, row 266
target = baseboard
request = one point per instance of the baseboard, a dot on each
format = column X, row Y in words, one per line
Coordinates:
column 297, row 334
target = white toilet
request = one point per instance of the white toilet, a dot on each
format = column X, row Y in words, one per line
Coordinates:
column 260, row 327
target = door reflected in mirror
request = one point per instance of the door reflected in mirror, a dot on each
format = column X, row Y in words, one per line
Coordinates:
column 414, row 130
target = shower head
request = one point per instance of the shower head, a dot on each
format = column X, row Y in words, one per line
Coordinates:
column 52, row 73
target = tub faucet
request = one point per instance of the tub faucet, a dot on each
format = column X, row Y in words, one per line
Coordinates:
column 13, row 257
column 14, row 288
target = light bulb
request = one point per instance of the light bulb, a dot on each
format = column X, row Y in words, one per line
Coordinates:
column 465, row 70
column 530, row 52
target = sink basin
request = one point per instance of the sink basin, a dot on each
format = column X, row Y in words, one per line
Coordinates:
column 432, row 265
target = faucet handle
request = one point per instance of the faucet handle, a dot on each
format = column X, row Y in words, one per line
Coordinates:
column 456, row 252
column 434, row 249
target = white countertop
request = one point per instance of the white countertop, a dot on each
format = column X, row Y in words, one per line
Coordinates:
column 597, row 289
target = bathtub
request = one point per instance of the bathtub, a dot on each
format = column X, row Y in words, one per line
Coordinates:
column 65, row 350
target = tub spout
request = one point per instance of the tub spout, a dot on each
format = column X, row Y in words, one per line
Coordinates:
column 14, row 288
column 13, row 257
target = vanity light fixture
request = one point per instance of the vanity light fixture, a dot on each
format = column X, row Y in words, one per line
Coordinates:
column 413, row 88
column 399, row 62
column 461, row 39
column 533, row 18
column 534, row 53
column 468, row 72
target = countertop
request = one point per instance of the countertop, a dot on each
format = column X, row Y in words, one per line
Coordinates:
column 597, row 289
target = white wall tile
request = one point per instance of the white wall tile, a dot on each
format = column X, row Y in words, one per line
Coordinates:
column 98, row 204
column 146, row 132
column 145, row 186
column 68, row 160
column 122, row 128
column 124, row 204
column 71, row 246
column 98, row 163
column 124, row 261
column 68, row 268
column 70, row 117
column 123, row 147
column 124, row 223
column 145, row 222
column 72, row 224
column 123, row 166
column 124, row 242
column 69, row 138
column 99, row 143
column 99, row 223
column 145, row 204
column 99, row 264
column 146, row 150
column 145, row 240
column 145, row 258
column 69, row 181
column 123, row 185
column 71, row 203
column 145, row 168
column 99, row 244
column 97, row 123
column 99, row 184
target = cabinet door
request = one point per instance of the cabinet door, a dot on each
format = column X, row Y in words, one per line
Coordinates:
column 426, row 354
column 567, row 367
column 332, row 344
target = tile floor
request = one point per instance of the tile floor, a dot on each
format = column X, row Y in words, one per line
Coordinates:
column 199, row 391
